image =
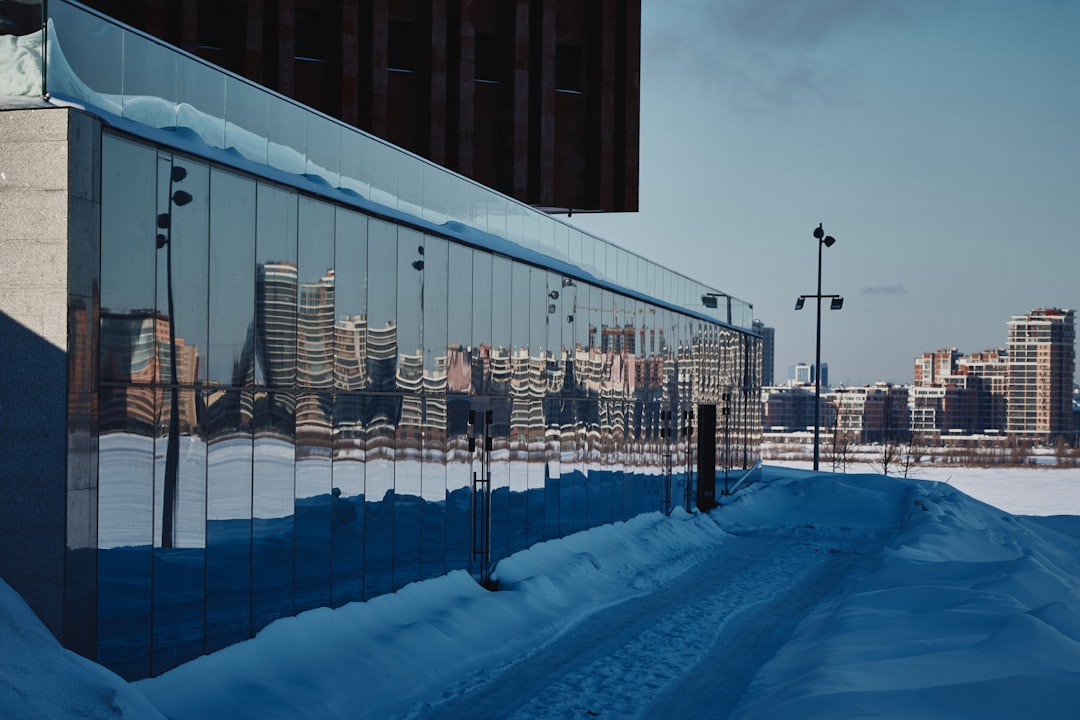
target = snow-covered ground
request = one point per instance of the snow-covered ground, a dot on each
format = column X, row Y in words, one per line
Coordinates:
column 805, row 595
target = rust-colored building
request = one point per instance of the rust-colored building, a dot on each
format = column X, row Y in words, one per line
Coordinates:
column 538, row 99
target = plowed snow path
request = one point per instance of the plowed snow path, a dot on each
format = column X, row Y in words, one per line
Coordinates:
column 685, row 650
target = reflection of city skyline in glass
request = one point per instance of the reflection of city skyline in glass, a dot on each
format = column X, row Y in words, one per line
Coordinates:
column 335, row 453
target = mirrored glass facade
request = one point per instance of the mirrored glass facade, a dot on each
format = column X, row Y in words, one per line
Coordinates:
column 309, row 394
column 338, row 405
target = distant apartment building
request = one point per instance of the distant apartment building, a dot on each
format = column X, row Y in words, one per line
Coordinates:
column 985, row 374
column 932, row 366
column 804, row 374
column 872, row 413
column 1024, row 389
column 958, row 394
column 790, row 408
column 801, row 374
column 1039, row 374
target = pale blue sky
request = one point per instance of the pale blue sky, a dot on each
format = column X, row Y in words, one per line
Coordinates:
column 937, row 140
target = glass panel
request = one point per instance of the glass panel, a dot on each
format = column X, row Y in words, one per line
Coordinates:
column 96, row 48
column 460, row 201
column 384, row 169
column 382, row 408
column 246, row 109
column 545, row 234
column 350, row 314
column 347, row 502
column 324, row 148
column 201, row 101
column 125, row 528
column 434, row 303
column 356, row 163
column 539, row 318
column 276, row 285
column 515, row 225
column 314, row 487
column 554, row 403
column 433, row 488
column 287, row 126
column 587, row 254
column 500, row 389
column 149, row 82
column 461, row 355
column 228, row 518
column 521, row 399
column 350, row 380
column 410, row 184
column 180, row 472
column 314, row 408
column 231, row 357
column 494, row 211
column 180, row 563
column 436, row 194
column 411, row 273
column 272, row 507
column 623, row 276
column 483, row 381
column 530, row 227
column 128, row 328
column 182, row 285
column 315, row 312
column 574, row 246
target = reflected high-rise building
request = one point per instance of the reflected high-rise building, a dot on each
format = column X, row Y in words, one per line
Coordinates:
column 275, row 318
column 315, row 333
column 135, row 351
column 351, row 353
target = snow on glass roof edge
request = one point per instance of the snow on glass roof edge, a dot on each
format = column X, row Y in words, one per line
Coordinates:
column 187, row 141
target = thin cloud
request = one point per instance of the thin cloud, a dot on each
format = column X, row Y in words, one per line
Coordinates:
column 885, row 290
column 760, row 55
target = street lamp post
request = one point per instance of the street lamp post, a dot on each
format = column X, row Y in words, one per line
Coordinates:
column 836, row 303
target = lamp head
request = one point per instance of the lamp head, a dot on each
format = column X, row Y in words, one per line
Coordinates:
column 799, row 303
column 818, row 232
column 837, row 303
column 829, row 240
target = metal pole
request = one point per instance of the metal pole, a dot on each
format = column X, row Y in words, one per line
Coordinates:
column 817, row 364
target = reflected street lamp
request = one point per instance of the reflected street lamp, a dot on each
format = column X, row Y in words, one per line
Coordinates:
column 179, row 198
column 836, row 302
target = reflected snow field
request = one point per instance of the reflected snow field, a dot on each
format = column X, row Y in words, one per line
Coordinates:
column 805, row 595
